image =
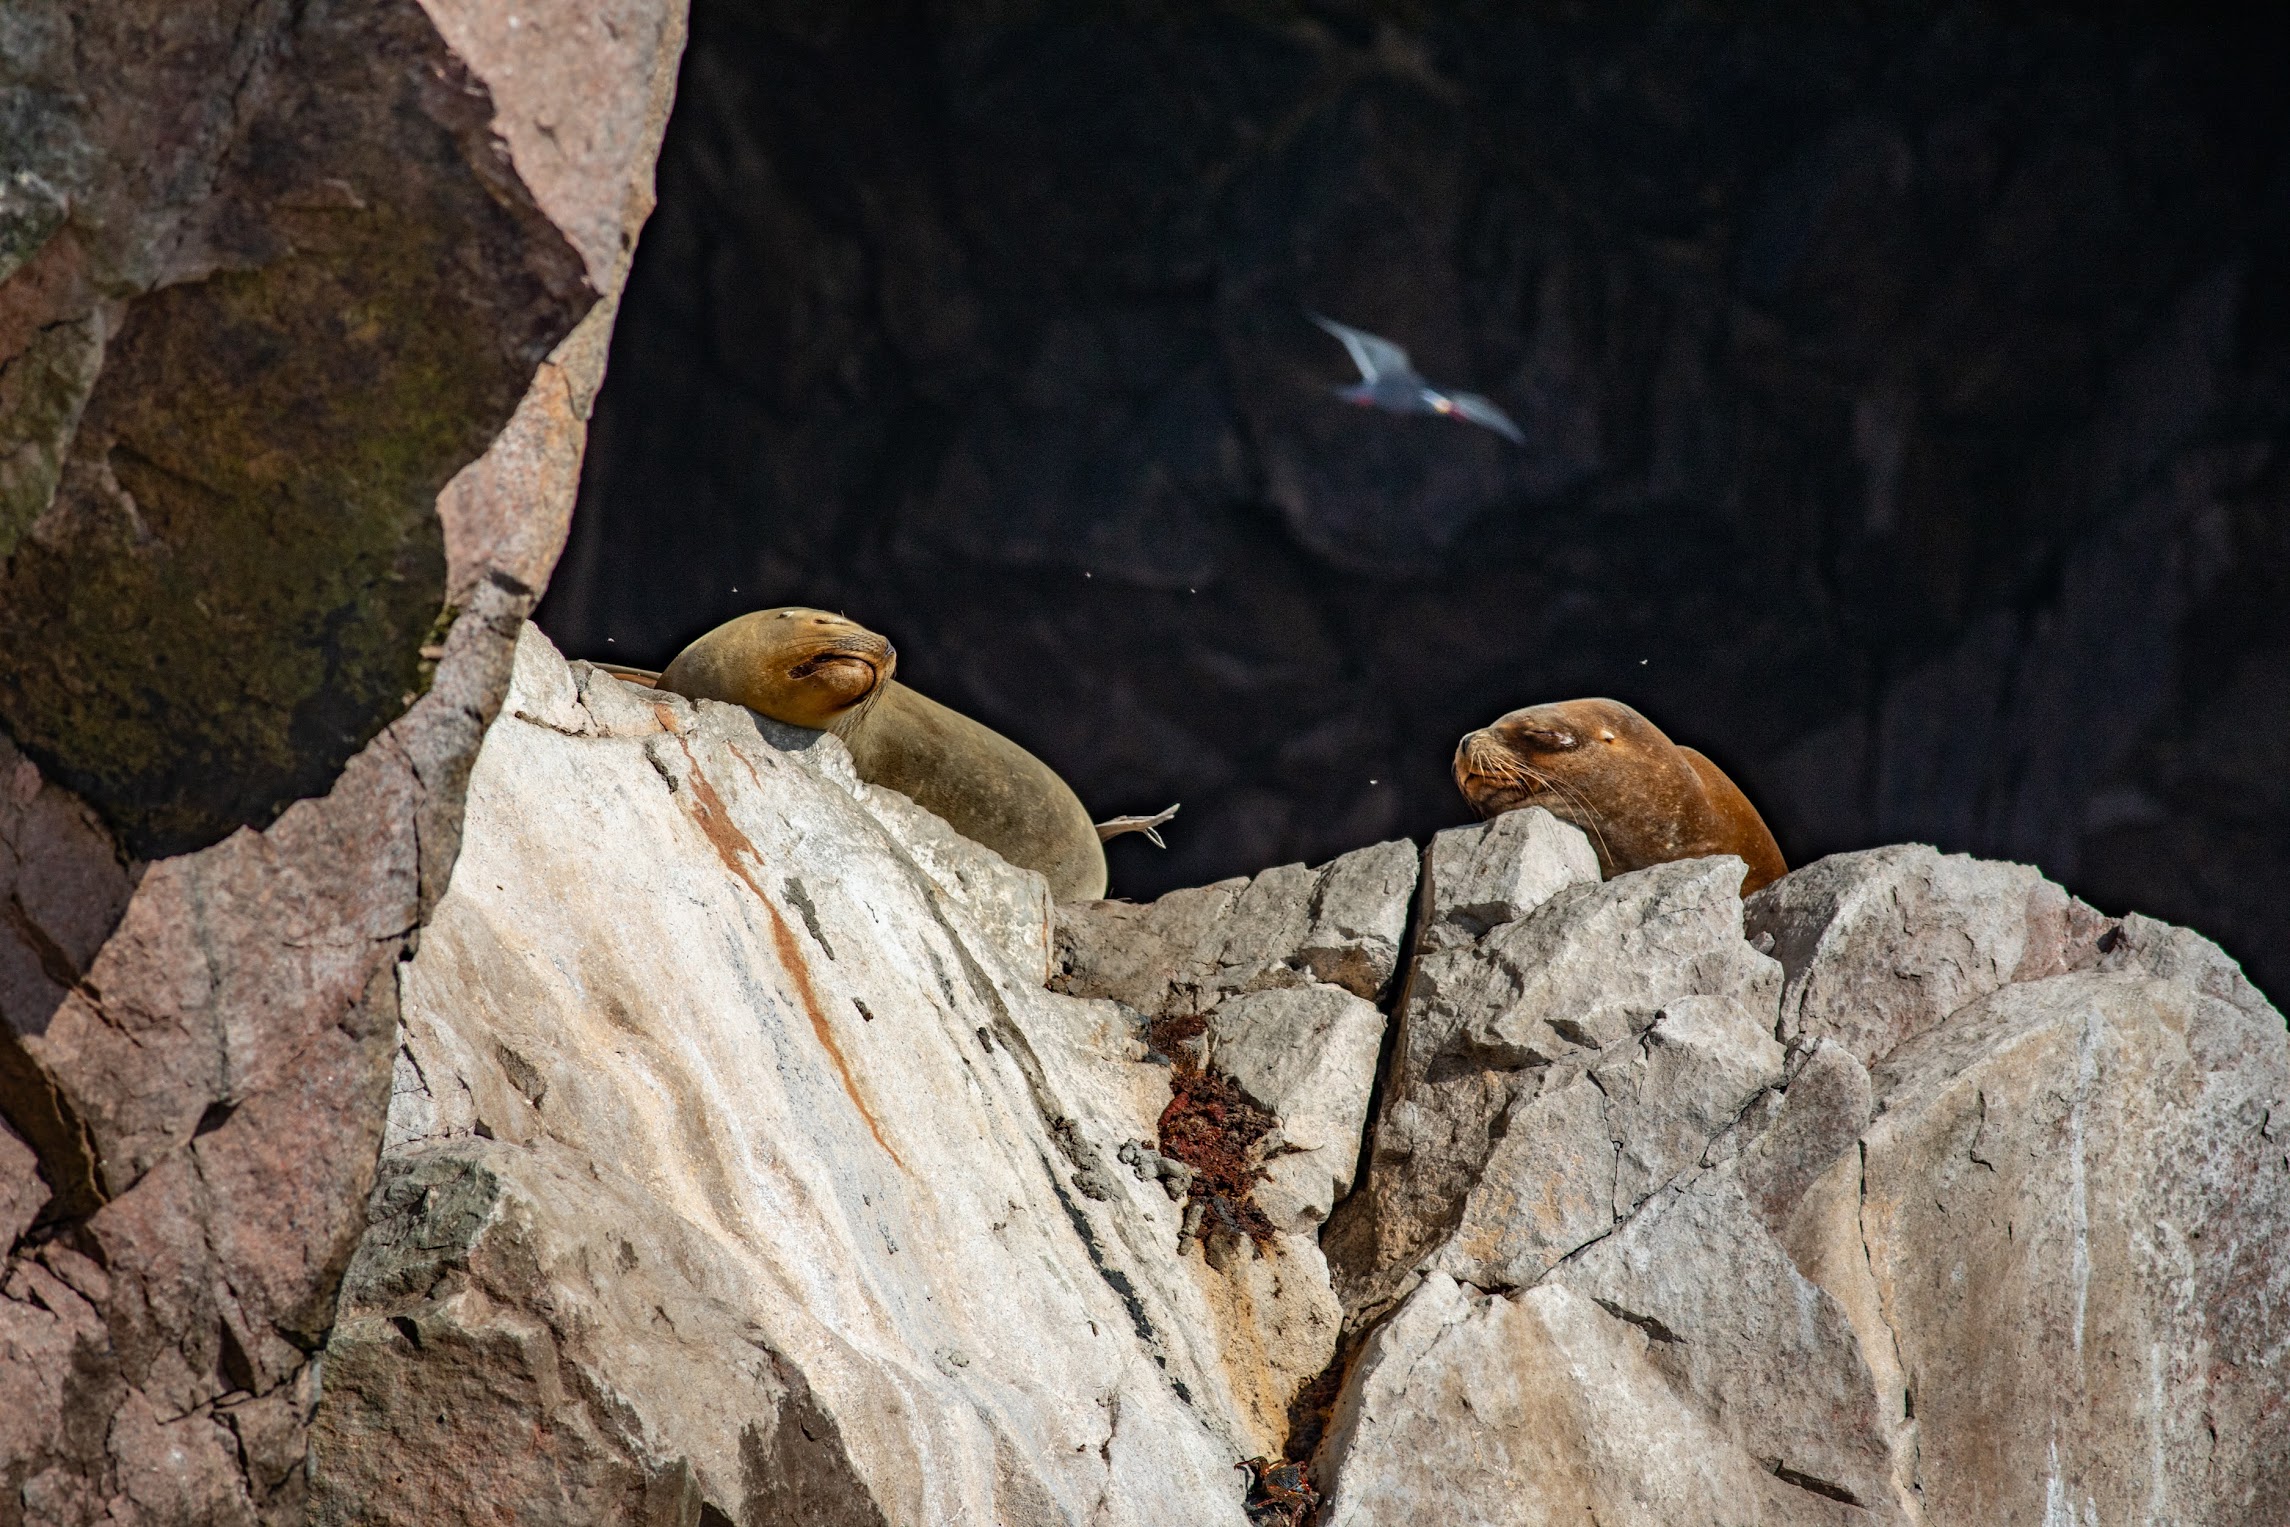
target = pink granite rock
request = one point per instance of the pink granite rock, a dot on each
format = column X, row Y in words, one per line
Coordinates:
column 301, row 312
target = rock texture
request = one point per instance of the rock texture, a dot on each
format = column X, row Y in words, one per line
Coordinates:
column 1339, row 925
column 301, row 312
column 1531, row 1409
column 755, row 1176
column 1990, row 1232
column 808, row 1164
column 1880, row 946
column 1904, row 408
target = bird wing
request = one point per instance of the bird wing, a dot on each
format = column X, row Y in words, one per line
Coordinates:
column 1478, row 410
column 1376, row 356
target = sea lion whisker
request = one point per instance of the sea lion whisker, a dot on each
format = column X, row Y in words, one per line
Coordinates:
column 1502, row 771
column 1575, row 796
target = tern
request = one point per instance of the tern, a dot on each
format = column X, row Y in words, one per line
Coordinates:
column 1389, row 381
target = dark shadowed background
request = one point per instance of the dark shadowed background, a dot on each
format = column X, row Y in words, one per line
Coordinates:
column 1906, row 402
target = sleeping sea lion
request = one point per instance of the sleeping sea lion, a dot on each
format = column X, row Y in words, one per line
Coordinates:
column 1639, row 797
column 817, row 669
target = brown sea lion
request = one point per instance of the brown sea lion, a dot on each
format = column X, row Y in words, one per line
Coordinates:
column 1639, row 797
column 817, row 669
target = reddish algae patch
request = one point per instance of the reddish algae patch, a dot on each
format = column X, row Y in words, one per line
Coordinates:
column 1211, row 1126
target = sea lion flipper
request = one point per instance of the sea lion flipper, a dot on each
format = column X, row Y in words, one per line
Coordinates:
column 1114, row 827
column 644, row 678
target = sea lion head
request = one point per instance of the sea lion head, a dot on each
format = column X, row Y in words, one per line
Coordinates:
column 1595, row 763
column 802, row 666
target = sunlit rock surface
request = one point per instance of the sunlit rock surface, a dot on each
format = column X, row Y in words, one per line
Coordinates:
column 302, row 310
column 2023, row 1265
column 740, row 1157
column 761, row 1150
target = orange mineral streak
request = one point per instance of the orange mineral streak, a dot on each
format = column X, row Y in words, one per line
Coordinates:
column 730, row 843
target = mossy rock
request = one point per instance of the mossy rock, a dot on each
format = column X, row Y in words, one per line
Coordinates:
column 232, row 589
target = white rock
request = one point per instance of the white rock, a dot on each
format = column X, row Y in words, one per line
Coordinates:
column 1358, row 915
column 1594, row 963
column 1289, row 926
column 1535, row 1409
column 1773, row 1359
column 1478, row 878
column 1678, row 1085
column 1881, row 945
column 1309, row 1055
column 737, row 1144
column 1526, row 1109
column 2074, row 1204
column 1814, row 1125
column 739, row 1163
column 1544, row 1190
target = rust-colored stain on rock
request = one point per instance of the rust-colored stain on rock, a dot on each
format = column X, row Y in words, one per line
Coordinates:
column 729, row 843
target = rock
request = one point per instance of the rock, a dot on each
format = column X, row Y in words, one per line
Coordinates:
column 1011, row 906
column 1339, row 924
column 1593, row 965
column 1433, row 1131
column 1478, row 878
column 1679, row 1087
column 22, row 1194
column 267, row 270
column 65, row 888
column 294, row 401
column 1536, row 1090
column 1357, row 912
column 1736, row 1328
column 2021, row 1268
column 1881, row 945
column 1814, row 1123
column 757, row 1170
column 2184, row 957
column 1545, row 1188
column 1145, row 957
column 2073, row 1202
column 1535, row 1408
column 1309, row 1055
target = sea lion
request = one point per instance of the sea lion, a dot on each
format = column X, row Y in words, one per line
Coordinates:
column 817, row 669
column 1639, row 797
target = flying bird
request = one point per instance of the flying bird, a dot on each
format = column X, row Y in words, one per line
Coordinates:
column 1389, row 381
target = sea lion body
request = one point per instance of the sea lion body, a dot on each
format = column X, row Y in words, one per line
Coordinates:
column 986, row 787
column 817, row 669
column 1639, row 797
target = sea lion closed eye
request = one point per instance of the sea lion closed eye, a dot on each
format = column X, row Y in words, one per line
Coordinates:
column 1639, row 797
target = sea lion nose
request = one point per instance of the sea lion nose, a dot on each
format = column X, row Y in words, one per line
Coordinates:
column 1465, row 754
